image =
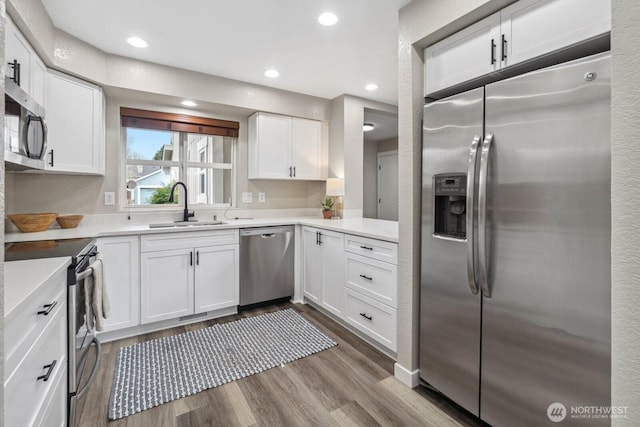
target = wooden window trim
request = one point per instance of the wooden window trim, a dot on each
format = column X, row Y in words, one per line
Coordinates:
column 144, row 119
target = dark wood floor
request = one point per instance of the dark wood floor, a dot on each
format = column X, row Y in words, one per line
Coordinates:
column 351, row 384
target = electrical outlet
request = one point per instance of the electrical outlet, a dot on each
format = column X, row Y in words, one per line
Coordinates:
column 109, row 198
column 247, row 197
column 262, row 197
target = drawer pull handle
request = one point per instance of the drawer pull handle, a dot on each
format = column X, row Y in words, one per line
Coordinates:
column 50, row 368
column 48, row 308
column 369, row 248
column 366, row 277
column 366, row 317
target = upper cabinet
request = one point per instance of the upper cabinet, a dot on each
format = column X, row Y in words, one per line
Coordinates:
column 522, row 31
column 23, row 64
column 282, row 147
column 75, row 119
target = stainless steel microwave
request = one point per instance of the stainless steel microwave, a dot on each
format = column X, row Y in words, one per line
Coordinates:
column 25, row 130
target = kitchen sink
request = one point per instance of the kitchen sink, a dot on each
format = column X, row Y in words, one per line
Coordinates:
column 185, row 224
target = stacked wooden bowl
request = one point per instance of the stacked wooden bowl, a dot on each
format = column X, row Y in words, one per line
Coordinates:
column 29, row 223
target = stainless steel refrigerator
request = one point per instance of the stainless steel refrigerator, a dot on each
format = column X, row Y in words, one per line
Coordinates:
column 515, row 270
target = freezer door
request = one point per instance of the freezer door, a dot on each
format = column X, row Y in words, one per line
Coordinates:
column 449, row 309
column 546, row 326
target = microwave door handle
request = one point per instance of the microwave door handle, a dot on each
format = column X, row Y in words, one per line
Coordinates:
column 482, row 215
column 82, row 390
column 471, row 179
column 45, row 132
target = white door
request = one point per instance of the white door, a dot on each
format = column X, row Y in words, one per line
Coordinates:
column 306, row 144
column 388, row 185
column 312, row 264
column 216, row 277
column 332, row 246
column 270, row 151
column 166, row 284
column 17, row 49
column 122, row 280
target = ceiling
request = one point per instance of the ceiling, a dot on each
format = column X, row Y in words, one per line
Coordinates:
column 385, row 125
column 240, row 39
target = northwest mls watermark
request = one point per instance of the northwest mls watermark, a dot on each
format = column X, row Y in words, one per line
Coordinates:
column 557, row 412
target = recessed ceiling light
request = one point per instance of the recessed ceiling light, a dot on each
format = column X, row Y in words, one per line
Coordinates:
column 137, row 42
column 371, row 86
column 327, row 19
column 188, row 103
column 271, row 73
column 367, row 127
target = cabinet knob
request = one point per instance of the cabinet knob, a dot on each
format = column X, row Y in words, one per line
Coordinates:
column 364, row 276
column 48, row 308
column 366, row 317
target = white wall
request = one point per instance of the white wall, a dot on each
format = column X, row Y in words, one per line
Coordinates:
column 625, row 209
column 421, row 23
column 2, row 212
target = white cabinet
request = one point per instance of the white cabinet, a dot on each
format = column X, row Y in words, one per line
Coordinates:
column 35, row 341
column 188, row 273
column 371, row 288
column 323, row 268
column 122, row 280
column 522, row 31
column 75, row 119
column 282, row 147
column 467, row 54
column 24, row 62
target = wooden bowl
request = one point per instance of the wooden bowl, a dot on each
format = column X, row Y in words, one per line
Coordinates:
column 69, row 221
column 29, row 223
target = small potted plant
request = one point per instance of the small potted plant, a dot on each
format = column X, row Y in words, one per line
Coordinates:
column 327, row 206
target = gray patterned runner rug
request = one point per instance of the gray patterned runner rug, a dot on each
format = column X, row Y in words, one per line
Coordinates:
column 151, row 373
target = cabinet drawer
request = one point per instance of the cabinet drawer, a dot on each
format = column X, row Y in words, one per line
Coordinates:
column 54, row 411
column 25, row 394
column 167, row 241
column 372, row 278
column 372, row 248
column 23, row 328
column 372, row 318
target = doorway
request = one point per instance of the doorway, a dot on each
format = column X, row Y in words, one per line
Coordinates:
column 388, row 185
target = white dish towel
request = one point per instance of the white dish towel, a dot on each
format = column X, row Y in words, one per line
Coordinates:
column 97, row 305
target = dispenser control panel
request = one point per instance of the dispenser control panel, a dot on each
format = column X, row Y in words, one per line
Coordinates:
column 450, row 194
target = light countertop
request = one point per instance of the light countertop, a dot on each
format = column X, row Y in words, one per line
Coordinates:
column 366, row 227
column 22, row 278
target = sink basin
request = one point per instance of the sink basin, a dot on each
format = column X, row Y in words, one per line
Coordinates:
column 185, row 224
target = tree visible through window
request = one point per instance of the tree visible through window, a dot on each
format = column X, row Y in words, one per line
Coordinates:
column 162, row 149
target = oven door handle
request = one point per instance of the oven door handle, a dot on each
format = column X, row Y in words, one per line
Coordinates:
column 84, row 274
column 94, row 370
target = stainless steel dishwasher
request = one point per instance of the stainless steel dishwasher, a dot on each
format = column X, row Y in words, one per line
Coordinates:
column 266, row 264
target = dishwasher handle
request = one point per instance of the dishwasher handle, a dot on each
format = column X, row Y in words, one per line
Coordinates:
column 265, row 232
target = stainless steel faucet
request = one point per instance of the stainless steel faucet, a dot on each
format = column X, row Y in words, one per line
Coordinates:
column 186, row 214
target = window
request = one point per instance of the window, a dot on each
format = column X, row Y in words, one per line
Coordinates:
column 162, row 149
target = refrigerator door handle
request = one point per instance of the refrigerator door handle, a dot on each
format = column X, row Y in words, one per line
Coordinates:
column 482, row 216
column 471, row 195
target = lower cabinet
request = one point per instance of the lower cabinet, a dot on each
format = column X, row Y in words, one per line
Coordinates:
column 122, row 280
column 354, row 278
column 188, row 276
column 323, row 275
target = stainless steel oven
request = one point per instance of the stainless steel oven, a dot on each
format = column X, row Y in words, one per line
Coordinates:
column 83, row 347
column 82, row 367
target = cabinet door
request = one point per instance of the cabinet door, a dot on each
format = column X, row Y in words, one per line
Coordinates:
column 535, row 27
column 74, row 111
column 312, row 264
column 216, row 277
column 38, row 80
column 269, row 146
column 307, row 149
column 467, row 54
column 166, row 284
column 122, row 280
column 17, row 48
column 332, row 246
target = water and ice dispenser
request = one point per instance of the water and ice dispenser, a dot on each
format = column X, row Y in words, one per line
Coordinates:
column 450, row 193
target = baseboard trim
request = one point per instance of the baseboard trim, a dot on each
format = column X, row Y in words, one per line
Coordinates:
column 408, row 378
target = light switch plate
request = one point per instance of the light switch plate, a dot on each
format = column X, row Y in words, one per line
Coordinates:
column 262, row 197
column 247, row 197
column 109, row 198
